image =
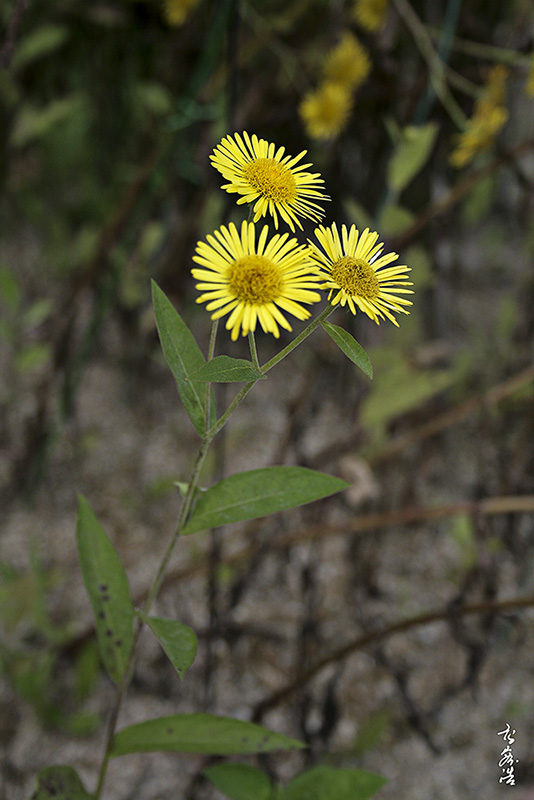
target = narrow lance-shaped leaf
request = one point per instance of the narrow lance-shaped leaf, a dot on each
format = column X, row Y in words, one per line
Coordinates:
column 178, row 641
column 108, row 590
column 240, row 781
column 328, row 783
column 411, row 154
column 60, row 783
column 247, row 495
column 223, row 369
column 348, row 345
column 183, row 356
column 199, row 733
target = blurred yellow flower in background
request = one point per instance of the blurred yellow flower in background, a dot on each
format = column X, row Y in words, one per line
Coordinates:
column 348, row 64
column 370, row 14
column 177, row 11
column 325, row 110
column 489, row 116
column 270, row 180
column 255, row 281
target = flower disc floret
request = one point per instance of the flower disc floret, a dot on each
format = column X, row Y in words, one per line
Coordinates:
column 253, row 280
column 357, row 275
column 274, row 183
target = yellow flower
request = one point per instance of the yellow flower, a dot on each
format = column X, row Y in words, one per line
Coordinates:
column 270, row 180
column 357, row 275
column 325, row 111
column 177, row 11
column 348, row 64
column 488, row 118
column 254, row 282
column 370, row 14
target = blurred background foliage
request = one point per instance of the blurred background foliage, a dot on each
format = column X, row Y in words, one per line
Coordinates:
column 420, row 117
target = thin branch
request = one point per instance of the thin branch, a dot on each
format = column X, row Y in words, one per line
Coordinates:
column 452, row 197
column 357, row 525
column 443, row 421
column 435, row 65
column 364, row 640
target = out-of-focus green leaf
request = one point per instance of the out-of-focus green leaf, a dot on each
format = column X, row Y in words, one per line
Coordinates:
column 399, row 387
column 357, row 214
column 462, row 532
column 152, row 98
column 240, row 781
column 33, row 123
column 33, row 356
column 37, row 312
column 416, row 257
column 223, row 369
column 247, row 495
column 327, row 783
column 178, row 641
column 371, row 731
column 348, row 345
column 394, row 219
column 108, row 590
column 199, row 733
column 411, row 154
column 39, row 43
column 60, row 783
column 10, row 292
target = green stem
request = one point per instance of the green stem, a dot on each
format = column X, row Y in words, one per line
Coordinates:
column 211, row 351
column 182, row 519
column 240, row 396
column 253, row 350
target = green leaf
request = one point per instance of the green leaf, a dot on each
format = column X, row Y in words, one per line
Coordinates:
column 10, row 292
column 178, row 641
column 348, row 345
column 39, row 43
column 327, row 783
column 60, row 783
column 411, row 154
column 108, row 590
column 183, row 357
column 394, row 219
column 35, row 123
column 33, row 356
column 199, row 733
column 240, row 781
column 223, row 369
column 37, row 312
column 257, row 493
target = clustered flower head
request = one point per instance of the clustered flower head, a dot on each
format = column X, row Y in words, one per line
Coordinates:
column 259, row 279
column 370, row 14
column 177, row 11
column 488, row 118
column 325, row 110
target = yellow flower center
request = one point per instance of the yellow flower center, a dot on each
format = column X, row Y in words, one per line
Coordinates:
column 271, row 179
column 254, row 279
column 357, row 277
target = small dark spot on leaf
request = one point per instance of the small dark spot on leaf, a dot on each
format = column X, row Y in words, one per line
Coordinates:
column 101, row 615
column 105, row 597
column 169, row 731
column 109, row 632
column 103, row 587
column 118, row 642
column 244, row 740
